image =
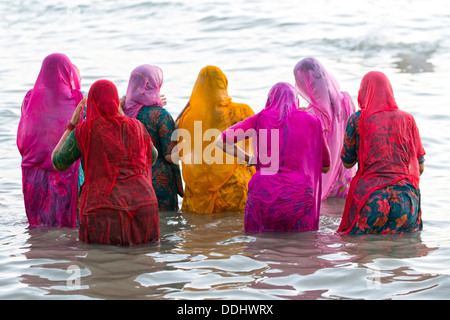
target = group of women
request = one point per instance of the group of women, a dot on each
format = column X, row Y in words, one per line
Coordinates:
column 276, row 166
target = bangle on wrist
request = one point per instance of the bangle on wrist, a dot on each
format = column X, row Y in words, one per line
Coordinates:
column 70, row 126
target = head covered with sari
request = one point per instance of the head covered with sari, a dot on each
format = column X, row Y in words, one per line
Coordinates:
column 333, row 107
column 390, row 145
column 143, row 89
column 282, row 102
column 50, row 196
column 205, row 167
column 46, row 110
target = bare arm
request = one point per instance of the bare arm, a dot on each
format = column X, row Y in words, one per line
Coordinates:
column 326, row 157
column 154, row 155
column 234, row 150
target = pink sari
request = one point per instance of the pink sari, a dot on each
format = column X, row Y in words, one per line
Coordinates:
column 284, row 194
column 50, row 196
column 333, row 107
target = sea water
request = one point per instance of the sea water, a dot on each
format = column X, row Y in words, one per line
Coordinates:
column 256, row 44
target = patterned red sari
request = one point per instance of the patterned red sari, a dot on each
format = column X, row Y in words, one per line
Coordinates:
column 118, row 204
column 389, row 149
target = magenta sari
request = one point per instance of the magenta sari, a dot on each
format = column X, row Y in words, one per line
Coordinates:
column 50, row 196
column 284, row 193
column 333, row 107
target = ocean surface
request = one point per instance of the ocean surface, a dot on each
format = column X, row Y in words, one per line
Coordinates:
column 256, row 44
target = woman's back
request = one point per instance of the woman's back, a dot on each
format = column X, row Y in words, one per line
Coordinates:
column 389, row 149
column 214, row 181
column 284, row 193
column 388, row 157
column 292, row 147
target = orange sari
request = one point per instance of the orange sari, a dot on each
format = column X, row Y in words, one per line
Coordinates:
column 214, row 181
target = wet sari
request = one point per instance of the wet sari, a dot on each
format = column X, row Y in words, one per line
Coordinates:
column 384, row 195
column 214, row 181
column 143, row 102
column 333, row 107
column 118, row 205
column 284, row 193
column 50, row 196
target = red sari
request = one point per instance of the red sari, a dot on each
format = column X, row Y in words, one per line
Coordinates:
column 117, row 204
column 389, row 149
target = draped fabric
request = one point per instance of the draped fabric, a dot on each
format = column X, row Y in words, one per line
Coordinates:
column 333, row 107
column 284, row 194
column 50, row 196
column 214, row 181
column 143, row 89
column 389, row 149
column 167, row 180
column 143, row 102
column 117, row 192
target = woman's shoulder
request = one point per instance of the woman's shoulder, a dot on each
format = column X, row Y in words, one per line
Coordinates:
column 307, row 116
column 241, row 111
column 354, row 117
column 155, row 110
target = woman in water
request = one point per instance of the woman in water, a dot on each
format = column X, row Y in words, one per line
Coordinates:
column 333, row 107
column 144, row 102
column 118, row 205
column 384, row 195
column 291, row 155
column 50, row 196
column 214, row 182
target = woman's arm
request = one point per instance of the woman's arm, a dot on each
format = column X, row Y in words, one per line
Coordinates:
column 326, row 157
column 182, row 112
column 67, row 154
column 69, row 128
column 421, row 164
column 154, row 154
column 166, row 127
column 234, row 150
column 349, row 154
column 226, row 141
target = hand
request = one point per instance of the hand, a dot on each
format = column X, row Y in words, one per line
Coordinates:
column 122, row 101
column 164, row 100
column 76, row 117
column 121, row 111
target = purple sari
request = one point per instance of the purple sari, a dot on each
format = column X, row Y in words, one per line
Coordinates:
column 50, row 196
column 333, row 107
column 143, row 89
column 284, row 193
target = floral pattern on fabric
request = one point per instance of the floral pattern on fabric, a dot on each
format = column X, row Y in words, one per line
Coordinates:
column 166, row 176
column 392, row 209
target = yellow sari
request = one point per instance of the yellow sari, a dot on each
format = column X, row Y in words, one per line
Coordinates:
column 214, row 181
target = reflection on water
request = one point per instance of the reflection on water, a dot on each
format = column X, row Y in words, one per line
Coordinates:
column 209, row 256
